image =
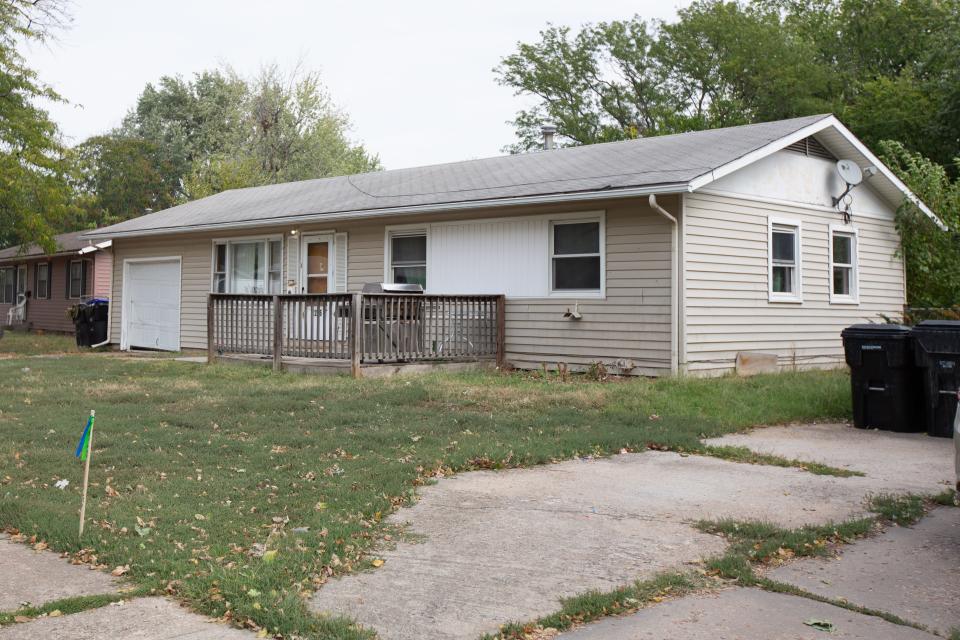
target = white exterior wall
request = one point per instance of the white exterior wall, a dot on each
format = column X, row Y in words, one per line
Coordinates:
column 725, row 280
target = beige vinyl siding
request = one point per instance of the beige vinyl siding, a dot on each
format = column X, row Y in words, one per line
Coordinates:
column 726, row 284
column 632, row 323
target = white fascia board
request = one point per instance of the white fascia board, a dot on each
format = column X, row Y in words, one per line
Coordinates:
column 809, row 130
column 560, row 198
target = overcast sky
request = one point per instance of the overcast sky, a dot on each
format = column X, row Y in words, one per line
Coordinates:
column 415, row 77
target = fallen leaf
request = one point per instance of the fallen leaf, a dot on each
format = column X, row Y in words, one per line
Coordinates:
column 820, row 625
column 119, row 571
column 21, row 619
column 377, row 563
column 262, row 633
column 56, row 613
column 270, row 556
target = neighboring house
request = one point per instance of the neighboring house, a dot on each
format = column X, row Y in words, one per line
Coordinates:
column 739, row 250
column 39, row 287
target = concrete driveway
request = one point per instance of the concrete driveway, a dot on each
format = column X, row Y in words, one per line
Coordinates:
column 507, row 546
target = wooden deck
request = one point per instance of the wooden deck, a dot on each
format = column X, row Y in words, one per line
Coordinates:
column 363, row 334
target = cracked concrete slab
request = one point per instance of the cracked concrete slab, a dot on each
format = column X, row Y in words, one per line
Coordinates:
column 140, row 619
column 913, row 572
column 42, row 576
column 743, row 614
column 503, row 546
column 907, row 462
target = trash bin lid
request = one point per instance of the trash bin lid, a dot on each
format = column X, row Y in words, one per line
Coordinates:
column 874, row 331
column 938, row 336
column 939, row 325
column 98, row 301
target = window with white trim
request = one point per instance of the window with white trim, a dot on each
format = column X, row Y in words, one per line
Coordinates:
column 408, row 258
column 843, row 265
column 41, row 281
column 253, row 265
column 575, row 260
column 7, row 285
column 784, row 262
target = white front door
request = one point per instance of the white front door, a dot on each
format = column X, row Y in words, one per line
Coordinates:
column 151, row 304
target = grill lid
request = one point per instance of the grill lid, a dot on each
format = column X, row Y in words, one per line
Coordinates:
column 391, row 287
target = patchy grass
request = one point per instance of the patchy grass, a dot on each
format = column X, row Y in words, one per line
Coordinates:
column 67, row 606
column 19, row 343
column 782, row 587
column 596, row 604
column 947, row 498
column 240, row 491
column 755, row 544
column 746, row 456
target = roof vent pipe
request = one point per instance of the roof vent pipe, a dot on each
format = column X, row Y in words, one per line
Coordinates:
column 548, row 131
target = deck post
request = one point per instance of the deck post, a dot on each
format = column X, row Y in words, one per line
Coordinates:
column 277, row 334
column 211, row 309
column 356, row 330
column 501, row 331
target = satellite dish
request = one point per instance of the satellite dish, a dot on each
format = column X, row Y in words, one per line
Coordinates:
column 849, row 172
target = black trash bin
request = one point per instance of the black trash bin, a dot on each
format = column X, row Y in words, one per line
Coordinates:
column 99, row 313
column 883, row 379
column 937, row 352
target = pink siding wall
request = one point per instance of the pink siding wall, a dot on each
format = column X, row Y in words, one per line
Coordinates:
column 102, row 274
column 51, row 314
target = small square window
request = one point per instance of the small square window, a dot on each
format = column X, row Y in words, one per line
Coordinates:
column 576, row 264
column 408, row 259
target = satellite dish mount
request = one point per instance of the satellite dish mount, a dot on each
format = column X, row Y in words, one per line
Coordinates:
column 852, row 176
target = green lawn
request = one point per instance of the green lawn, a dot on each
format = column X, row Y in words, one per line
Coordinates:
column 240, row 491
column 14, row 343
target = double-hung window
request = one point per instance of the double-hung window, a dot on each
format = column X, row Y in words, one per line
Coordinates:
column 76, row 279
column 575, row 258
column 41, row 281
column 843, row 265
column 247, row 266
column 408, row 258
column 7, row 285
column 785, row 277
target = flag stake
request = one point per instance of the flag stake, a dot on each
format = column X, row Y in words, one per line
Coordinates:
column 86, row 471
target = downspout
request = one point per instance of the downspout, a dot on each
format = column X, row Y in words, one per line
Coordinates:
column 674, row 284
column 110, row 312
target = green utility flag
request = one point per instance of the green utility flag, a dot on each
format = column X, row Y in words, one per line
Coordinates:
column 83, row 447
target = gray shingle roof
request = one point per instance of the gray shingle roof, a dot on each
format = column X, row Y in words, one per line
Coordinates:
column 664, row 160
column 66, row 243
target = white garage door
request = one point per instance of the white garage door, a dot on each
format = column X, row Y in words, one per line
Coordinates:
column 151, row 304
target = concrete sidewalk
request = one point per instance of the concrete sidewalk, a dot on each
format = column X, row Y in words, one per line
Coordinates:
column 743, row 614
column 39, row 577
column 507, row 546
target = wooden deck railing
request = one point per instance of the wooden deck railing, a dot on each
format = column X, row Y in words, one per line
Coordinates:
column 361, row 328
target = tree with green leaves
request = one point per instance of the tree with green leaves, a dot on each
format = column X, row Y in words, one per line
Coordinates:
column 34, row 193
column 931, row 256
column 886, row 67
column 187, row 139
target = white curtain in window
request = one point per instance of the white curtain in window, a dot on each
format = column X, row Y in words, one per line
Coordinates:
column 248, row 267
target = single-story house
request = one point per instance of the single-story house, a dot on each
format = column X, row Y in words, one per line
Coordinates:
column 37, row 288
column 653, row 256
